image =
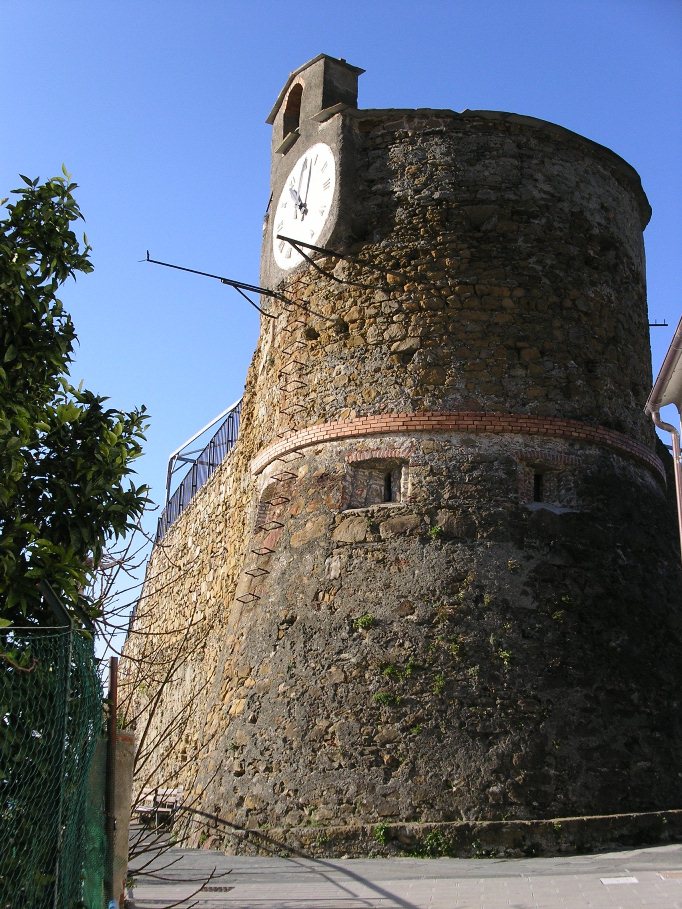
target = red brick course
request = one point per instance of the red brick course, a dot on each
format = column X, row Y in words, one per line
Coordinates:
column 459, row 421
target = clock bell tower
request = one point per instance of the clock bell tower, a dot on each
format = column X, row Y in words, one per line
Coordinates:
column 312, row 163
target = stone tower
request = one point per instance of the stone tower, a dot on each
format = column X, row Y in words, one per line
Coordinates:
column 436, row 578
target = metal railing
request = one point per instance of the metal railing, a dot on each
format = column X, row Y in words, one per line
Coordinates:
column 203, row 464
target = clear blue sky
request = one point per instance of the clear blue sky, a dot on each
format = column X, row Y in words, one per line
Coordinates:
column 158, row 109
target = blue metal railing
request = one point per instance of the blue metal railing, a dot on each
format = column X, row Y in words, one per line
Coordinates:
column 203, row 465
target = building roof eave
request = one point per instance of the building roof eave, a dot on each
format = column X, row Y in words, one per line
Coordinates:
column 668, row 385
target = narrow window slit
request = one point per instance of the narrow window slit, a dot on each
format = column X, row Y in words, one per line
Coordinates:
column 388, row 486
column 538, row 487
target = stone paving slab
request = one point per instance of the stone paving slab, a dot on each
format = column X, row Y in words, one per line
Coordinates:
column 636, row 879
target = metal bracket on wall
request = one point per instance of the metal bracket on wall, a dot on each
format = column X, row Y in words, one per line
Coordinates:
column 284, row 475
column 361, row 263
column 267, row 526
column 256, row 572
column 291, row 365
column 291, row 385
column 276, row 501
column 289, row 329
column 240, row 286
column 289, row 457
column 292, row 345
column 247, row 598
column 292, row 409
column 298, row 245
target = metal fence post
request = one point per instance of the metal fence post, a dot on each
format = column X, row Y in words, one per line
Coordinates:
column 110, row 791
column 62, row 783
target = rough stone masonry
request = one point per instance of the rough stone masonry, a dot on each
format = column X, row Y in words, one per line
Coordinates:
column 436, row 580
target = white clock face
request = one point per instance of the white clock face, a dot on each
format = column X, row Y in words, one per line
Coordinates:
column 304, row 204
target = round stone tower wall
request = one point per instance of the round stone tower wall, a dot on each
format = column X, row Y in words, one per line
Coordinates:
column 459, row 587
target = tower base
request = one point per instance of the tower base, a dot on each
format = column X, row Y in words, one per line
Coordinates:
column 460, row 839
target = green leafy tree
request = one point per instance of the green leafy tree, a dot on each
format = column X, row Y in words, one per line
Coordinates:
column 64, row 456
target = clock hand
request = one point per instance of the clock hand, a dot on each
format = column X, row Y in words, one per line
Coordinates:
column 301, row 203
column 300, row 176
column 307, row 188
column 294, row 196
column 298, row 202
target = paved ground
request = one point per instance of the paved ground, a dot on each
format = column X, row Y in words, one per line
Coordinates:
column 637, row 878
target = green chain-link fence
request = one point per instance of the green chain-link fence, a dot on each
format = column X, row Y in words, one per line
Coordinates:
column 51, row 820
